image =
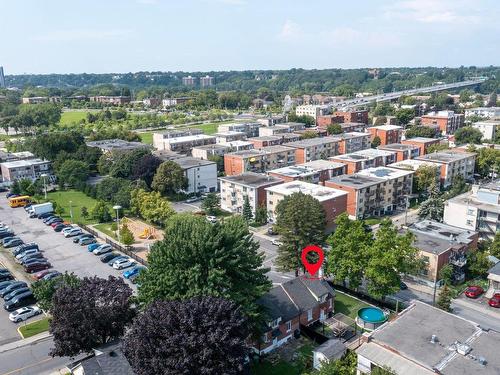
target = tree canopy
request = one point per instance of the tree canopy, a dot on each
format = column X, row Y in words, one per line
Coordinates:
column 169, row 178
column 468, row 135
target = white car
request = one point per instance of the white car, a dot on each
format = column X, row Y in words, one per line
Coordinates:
column 277, row 243
column 123, row 263
column 73, row 232
column 24, row 313
column 103, row 249
column 67, row 229
column 212, row 219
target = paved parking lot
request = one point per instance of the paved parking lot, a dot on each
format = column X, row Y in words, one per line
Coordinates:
column 62, row 253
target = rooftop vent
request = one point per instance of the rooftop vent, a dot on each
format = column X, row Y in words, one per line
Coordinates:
column 434, row 339
column 482, row 361
column 463, row 349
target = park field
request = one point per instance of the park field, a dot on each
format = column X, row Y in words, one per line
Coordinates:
column 72, row 117
column 209, row 128
column 72, row 201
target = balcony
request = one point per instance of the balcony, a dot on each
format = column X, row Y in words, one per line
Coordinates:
column 458, row 260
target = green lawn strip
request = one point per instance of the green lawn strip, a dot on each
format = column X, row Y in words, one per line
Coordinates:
column 106, row 229
column 372, row 221
column 146, row 138
column 34, row 328
column 78, row 200
column 267, row 368
column 347, row 305
column 72, row 117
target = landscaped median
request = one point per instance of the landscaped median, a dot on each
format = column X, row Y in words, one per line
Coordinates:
column 34, row 328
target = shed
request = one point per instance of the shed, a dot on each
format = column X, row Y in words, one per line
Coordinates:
column 331, row 350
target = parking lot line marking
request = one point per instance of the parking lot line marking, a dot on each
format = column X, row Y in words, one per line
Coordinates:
column 27, row 367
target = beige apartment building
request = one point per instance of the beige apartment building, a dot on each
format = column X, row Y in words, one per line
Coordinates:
column 453, row 163
column 315, row 148
column 260, row 161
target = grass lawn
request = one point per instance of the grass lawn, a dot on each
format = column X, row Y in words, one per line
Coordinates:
column 372, row 221
column 78, row 200
column 106, row 229
column 146, row 138
column 347, row 305
column 71, row 117
column 34, row 328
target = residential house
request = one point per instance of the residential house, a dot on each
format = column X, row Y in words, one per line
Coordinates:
column 422, row 143
column 403, row 151
column 453, row 163
column 387, row 133
column 447, row 121
column 331, row 350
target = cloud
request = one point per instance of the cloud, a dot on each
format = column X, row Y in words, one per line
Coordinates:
column 290, row 31
column 81, row 35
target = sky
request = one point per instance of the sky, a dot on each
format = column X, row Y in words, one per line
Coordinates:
column 107, row 36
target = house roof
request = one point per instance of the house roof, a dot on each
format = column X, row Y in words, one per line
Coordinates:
column 303, row 293
column 107, row 360
column 251, row 179
column 495, row 269
column 278, row 304
column 332, row 349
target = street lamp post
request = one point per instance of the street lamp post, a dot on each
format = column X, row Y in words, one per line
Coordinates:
column 44, row 176
column 117, row 209
column 71, row 210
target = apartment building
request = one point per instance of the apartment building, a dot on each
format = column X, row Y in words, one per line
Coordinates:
column 184, row 144
column 425, row 340
column 315, row 172
column 251, row 129
column 326, row 120
column 235, row 188
column 486, row 112
column 207, row 151
column 403, row 151
column 189, row 81
column 312, row 110
column 447, row 121
column 206, row 81
column 265, row 141
column 314, row 148
column 109, row 145
column 354, row 115
column 160, row 136
column 20, row 169
column 422, row 143
column 318, row 132
column 387, row 133
column 230, row 136
column 271, row 120
column 333, row 201
column 369, row 158
column 414, row 165
column 173, row 102
column 274, row 130
column 352, row 142
column 201, row 174
column 261, row 160
column 374, row 191
column 477, row 210
column 441, row 244
column 113, row 100
column 348, row 127
column 35, row 100
column 453, row 163
column 490, row 129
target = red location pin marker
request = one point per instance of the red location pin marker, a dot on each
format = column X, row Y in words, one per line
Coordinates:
column 312, row 268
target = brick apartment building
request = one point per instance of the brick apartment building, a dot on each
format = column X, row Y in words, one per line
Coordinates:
column 352, row 142
column 369, row 158
column 447, row 121
column 327, row 120
column 314, row 148
column 315, row 172
column 422, row 143
column 387, row 133
column 259, row 161
column 403, row 151
column 234, row 189
column 355, row 115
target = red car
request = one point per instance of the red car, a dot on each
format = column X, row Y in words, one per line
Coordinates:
column 474, row 291
column 495, row 300
column 36, row 267
column 41, row 274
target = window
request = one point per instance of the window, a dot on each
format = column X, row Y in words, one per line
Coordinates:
column 289, row 326
column 275, row 323
column 469, row 222
column 470, row 211
column 309, row 315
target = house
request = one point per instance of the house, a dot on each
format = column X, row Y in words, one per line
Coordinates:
column 315, row 172
column 447, row 121
column 234, row 189
column 333, row 201
column 260, row 160
column 422, row 143
column 453, row 163
column 109, row 145
column 386, row 133
column 359, row 160
column 201, row 174
column 490, row 129
column 288, row 306
column 440, row 244
column 493, row 280
column 331, row 350
column 476, row 210
column 21, row 169
column 403, row 151
column 314, row 148
column 352, row 142
column 425, row 340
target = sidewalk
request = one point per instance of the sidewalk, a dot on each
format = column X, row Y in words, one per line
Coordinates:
column 24, row 342
column 474, row 306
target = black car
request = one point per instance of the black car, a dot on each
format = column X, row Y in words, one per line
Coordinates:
column 14, row 293
column 21, row 300
column 15, row 285
column 106, row 258
column 6, row 277
column 33, row 258
column 6, row 234
column 5, row 284
column 59, row 227
column 52, row 275
column 4, row 270
column 45, row 215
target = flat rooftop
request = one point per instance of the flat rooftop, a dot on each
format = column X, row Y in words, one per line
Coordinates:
column 276, row 148
column 436, row 238
column 321, row 193
column 265, row 138
column 412, row 164
column 372, row 153
column 295, row 171
column 386, row 127
column 351, row 135
column 313, row 142
column 190, row 162
column 239, row 143
column 251, row 179
column 23, row 163
column 215, row 146
column 385, row 173
column 189, row 138
column 117, row 144
column 446, row 156
column 167, row 155
column 248, row 153
column 323, row 164
column 422, row 139
column 229, row 133
column 356, row 181
column 397, row 147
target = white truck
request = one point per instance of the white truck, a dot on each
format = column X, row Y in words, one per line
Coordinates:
column 39, row 209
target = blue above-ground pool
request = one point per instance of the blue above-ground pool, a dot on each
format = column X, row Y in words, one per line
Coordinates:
column 369, row 318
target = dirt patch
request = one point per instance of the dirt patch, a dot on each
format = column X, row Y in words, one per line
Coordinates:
column 145, row 235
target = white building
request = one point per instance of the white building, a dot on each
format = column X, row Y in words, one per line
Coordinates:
column 486, row 112
column 312, row 110
column 183, row 144
column 201, row 174
column 478, row 210
column 489, row 129
column 20, row 169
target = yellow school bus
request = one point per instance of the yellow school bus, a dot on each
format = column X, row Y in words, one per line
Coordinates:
column 21, row 201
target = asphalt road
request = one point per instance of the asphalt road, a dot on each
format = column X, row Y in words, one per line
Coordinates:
column 484, row 320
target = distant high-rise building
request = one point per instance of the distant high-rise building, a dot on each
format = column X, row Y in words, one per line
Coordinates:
column 2, row 77
column 206, row 81
column 189, row 81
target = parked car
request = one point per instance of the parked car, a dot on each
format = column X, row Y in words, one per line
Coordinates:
column 116, row 259
column 11, row 195
column 277, row 243
column 133, row 271
column 46, row 215
column 495, row 300
column 5, row 284
column 193, row 199
column 27, row 262
column 24, row 313
column 26, row 246
column 474, row 291
column 67, row 229
column 93, row 246
column 13, row 242
column 123, row 263
column 6, row 234
column 73, row 232
column 83, row 235
column 21, row 300
column 49, row 217
column 6, row 277
column 103, row 249
column 108, row 257
column 52, row 275
column 87, row 241
column 59, row 227
column 14, row 293
column 211, row 219
column 4, row 270
column 12, row 286
column 41, row 274
column 53, row 219
column 402, row 286
column 271, row 231
column 29, row 257
column 27, row 252
column 4, row 228
column 37, row 266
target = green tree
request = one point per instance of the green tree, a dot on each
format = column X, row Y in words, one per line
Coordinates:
column 446, row 274
column 73, row 173
column 488, row 161
column 309, row 134
column 100, row 212
column 436, row 148
column 197, row 258
column 495, row 245
column 169, row 178
column 405, row 115
column 219, row 160
column 123, row 162
column 44, row 290
column 301, row 222
column 211, row 203
column 421, row 131
column 458, row 186
column 376, row 141
column 433, row 207
column 444, row 300
column 466, row 95
column 151, row 206
column 84, row 212
column 126, row 236
column 478, row 264
column 468, row 135
column 425, row 176
column 344, row 366
column 390, row 255
column 261, row 215
column 247, row 210
column 334, row 129
column 349, row 252
column 15, row 188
